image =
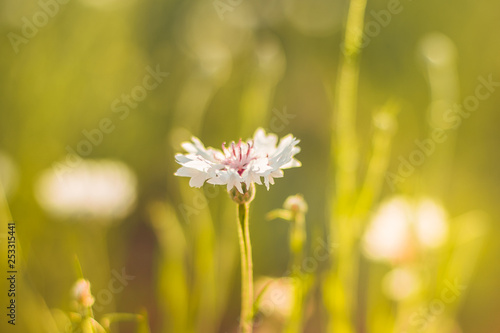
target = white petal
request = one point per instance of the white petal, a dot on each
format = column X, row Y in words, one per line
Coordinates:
column 251, row 177
column 268, row 180
column 236, row 180
column 283, row 157
column 185, row 172
column 292, row 164
column 182, row 158
column 217, row 181
column 198, row 180
column 237, row 184
column 264, row 144
column 197, row 148
column 285, row 142
column 198, row 165
column 260, row 166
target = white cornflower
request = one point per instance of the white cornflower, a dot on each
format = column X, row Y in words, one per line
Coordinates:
column 402, row 227
column 101, row 190
column 243, row 162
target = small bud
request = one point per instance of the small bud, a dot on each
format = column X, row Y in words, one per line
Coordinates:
column 296, row 204
column 297, row 207
column 245, row 197
column 81, row 293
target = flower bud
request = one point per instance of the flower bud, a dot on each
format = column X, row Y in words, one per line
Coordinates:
column 81, row 293
column 245, row 197
column 296, row 204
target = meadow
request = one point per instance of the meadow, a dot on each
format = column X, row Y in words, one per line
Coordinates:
column 352, row 185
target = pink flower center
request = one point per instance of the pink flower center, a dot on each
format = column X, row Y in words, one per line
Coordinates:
column 238, row 156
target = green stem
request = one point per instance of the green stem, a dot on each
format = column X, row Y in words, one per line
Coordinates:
column 344, row 155
column 345, row 282
column 344, row 144
column 246, row 317
column 301, row 283
column 249, row 266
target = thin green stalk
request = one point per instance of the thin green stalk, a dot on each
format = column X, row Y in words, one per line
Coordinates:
column 344, row 155
column 249, row 265
column 385, row 128
column 344, row 144
column 302, row 283
column 246, row 269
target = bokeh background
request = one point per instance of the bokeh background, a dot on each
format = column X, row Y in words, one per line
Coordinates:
column 232, row 67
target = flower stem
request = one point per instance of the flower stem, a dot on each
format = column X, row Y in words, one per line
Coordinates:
column 246, row 269
column 302, row 282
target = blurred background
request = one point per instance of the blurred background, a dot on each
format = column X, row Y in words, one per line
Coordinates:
column 123, row 82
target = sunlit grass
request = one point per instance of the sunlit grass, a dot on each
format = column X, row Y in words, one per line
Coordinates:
column 391, row 233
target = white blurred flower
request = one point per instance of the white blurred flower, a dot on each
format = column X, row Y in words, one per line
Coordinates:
column 401, row 227
column 277, row 298
column 101, row 190
column 242, row 162
column 81, row 293
column 431, row 227
column 401, row 283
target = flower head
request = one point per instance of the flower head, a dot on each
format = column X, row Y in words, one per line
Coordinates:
column 257, row 159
